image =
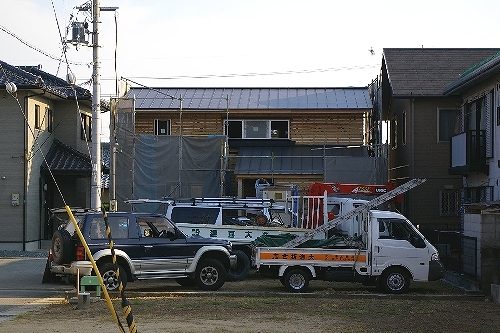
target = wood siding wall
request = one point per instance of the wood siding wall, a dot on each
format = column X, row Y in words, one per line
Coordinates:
column 305, row 127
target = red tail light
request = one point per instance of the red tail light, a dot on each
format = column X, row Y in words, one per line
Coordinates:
column 80, row 252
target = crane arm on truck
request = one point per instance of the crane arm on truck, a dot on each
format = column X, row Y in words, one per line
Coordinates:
column 352, row 213
column 341, row 188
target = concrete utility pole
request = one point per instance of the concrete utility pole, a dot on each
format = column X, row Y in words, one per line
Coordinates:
column 95, row 187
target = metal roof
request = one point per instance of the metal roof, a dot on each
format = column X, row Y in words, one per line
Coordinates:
column 427, row 72
column 356, row 98
column 32, row 77
column 298, row 160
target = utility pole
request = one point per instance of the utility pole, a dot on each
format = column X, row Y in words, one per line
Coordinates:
column 95, row 186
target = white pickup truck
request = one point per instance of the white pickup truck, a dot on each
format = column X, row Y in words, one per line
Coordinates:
column 389, row 251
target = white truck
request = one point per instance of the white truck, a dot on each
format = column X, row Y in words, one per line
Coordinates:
column 389, row 251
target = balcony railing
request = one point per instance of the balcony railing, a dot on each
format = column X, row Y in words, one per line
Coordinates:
column 468, row 153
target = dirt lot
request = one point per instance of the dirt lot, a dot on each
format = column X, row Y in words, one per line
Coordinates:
column 163, row 307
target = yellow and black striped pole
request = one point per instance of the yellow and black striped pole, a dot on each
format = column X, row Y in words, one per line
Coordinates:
column 126, row 307
column 96, row 270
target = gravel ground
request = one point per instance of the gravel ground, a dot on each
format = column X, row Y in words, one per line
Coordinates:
column 27, row 254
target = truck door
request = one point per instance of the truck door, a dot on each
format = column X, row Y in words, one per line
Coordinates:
column 395, row 242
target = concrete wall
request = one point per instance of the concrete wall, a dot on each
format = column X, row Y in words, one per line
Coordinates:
column 486, row 228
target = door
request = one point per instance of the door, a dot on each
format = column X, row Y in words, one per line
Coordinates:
column 164, row 248
column 397, row 243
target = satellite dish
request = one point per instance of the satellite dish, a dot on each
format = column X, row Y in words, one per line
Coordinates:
column 11, row 87
column 71, row 78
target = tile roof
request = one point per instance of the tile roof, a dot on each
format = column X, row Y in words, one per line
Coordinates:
column 355, row 98
column 483, row 70
column 32, row 77
column 63, row 159
column 427, row 72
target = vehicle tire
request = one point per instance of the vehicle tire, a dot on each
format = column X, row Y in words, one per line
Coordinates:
column 240, row 272
column 210, row 274
column 110, row 277
column 296, row 280
column 62, row 249
column 394, row 281
column 186, row 282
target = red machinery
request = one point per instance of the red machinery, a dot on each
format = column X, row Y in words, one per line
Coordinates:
column 339, row 188
column 318, row 189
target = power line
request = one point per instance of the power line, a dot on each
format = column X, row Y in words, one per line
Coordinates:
column 208, row 76
column 7, row 31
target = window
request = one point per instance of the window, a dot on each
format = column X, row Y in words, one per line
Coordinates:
column 399, row 230
column 157, row 227
column 403, row 128
column 117, row 224
column 162, row 127
column 446, row 126
column 50, row 119
column 195, row 215
column 37, row 116
column 394, row 133
column 448, row 203
column 257, row 129
column 86, row 130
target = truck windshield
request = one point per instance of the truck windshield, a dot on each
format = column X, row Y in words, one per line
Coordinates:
column 393, row 228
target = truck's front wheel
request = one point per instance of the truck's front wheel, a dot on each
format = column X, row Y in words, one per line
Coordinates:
column 210, row 275
column 296, row 280
column 394, row 281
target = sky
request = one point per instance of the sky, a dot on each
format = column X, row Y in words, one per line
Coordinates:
column 257, row 43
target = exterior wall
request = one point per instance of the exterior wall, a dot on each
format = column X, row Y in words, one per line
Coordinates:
column 38, row 145
column 423, row 157
column 11, row 170
column 20, row 160
column 67, row 124
column 305, row 128
column 493, row 178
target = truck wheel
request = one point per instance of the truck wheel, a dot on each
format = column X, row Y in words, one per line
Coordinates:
column 296, row 280
column 394, row 281
column 61, row 247
column 110, row 277
column 210, row 274
column 240, row 272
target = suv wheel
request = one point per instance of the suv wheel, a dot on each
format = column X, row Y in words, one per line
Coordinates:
column 210, row 274
column 61, row 247
column 110, row 277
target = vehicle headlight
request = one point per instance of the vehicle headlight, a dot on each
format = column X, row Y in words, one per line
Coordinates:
column 435, row 256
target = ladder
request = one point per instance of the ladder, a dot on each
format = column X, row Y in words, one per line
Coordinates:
column 229, row 202
column 364, row 208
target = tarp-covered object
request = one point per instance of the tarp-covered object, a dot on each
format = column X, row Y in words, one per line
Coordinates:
column 282, row 239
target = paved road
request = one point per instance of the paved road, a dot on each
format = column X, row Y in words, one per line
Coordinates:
column 21, row 287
